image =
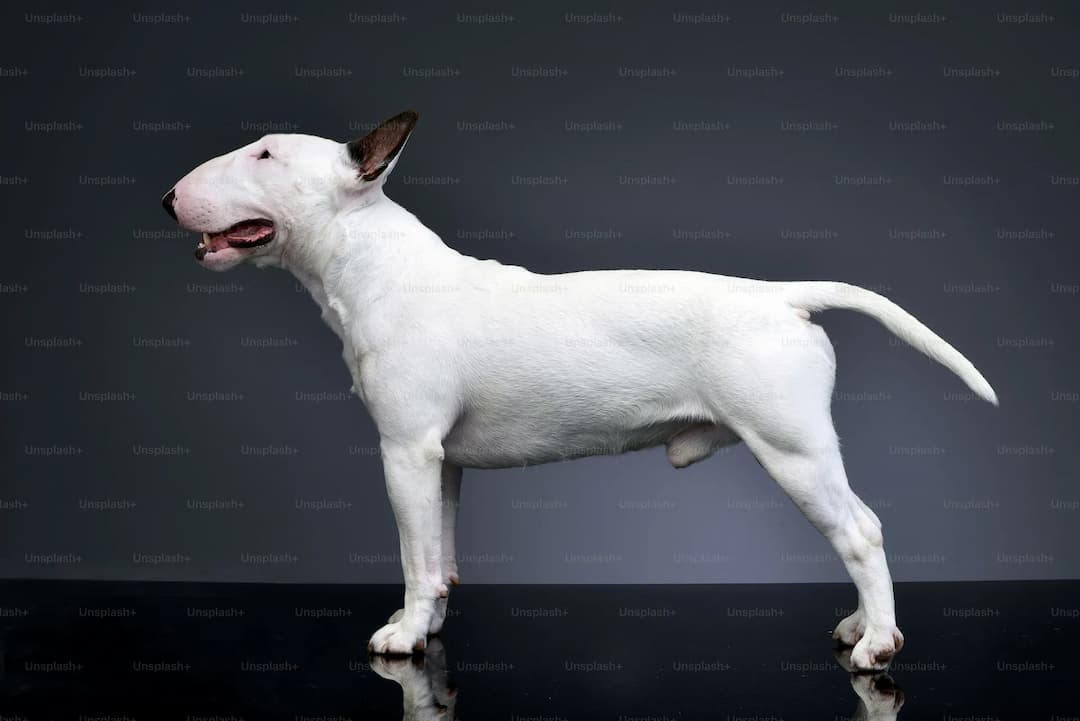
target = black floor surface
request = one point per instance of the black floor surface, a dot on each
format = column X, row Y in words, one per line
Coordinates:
column 89, row 651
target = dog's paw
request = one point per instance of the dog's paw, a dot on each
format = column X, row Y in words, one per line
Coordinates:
column 876, row 648
column 850, row 630
column 880, row 697
column 397, row 639
column 396, row 616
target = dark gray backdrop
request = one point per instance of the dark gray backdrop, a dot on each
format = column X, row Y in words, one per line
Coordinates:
column 162, row 422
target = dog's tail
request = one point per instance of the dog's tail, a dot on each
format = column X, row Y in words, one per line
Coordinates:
column 820, row 295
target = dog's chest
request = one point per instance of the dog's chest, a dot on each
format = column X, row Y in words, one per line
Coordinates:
column 335, row 316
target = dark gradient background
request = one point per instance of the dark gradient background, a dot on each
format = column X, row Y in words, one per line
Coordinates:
column 162, row 422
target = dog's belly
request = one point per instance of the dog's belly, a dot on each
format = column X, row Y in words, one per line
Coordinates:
column 475, row 443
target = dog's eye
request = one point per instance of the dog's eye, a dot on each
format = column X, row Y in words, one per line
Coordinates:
column 265, row 155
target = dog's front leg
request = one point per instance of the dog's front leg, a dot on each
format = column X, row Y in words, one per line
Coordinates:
column 413, row 482
column 451, row 490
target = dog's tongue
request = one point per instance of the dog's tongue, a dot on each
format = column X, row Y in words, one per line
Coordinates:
column 216, row 242
column 245, row 231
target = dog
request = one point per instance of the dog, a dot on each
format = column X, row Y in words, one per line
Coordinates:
column 468, row 363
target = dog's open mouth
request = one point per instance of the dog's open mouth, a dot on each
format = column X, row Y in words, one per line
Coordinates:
column 245, row 234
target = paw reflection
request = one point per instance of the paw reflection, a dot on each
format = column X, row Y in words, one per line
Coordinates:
column 426, row 692
column 880, row 698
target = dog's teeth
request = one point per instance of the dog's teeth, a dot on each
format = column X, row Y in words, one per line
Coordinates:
column 205, row 239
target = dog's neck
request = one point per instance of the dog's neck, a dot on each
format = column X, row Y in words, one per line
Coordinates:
column 368, row 253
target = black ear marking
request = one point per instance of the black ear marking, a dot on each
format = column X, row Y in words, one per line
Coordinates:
column 374, row 152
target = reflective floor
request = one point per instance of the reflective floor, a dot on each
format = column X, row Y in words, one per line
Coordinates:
column 975, row 652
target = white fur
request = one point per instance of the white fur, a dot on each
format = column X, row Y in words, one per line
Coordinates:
column 467, row 362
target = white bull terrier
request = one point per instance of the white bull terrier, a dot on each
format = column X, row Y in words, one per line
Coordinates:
column 470, row 363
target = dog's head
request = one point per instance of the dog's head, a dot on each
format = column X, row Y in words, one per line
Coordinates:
column 250, row 203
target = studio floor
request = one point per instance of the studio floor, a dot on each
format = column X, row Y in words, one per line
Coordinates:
column 974, row 652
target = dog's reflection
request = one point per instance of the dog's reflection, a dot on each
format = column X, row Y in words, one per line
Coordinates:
column 427, row 692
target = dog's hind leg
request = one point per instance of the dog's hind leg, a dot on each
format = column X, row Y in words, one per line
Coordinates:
column 851, row 628
column 811, row 471
column 786, row 422
column 451, row 499
column 451, row 493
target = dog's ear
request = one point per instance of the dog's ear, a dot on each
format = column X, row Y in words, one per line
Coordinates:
column 375, row 153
